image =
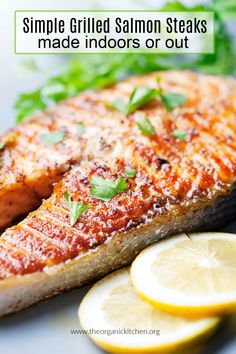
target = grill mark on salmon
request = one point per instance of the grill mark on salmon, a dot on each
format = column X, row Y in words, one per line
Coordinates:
column 179, row 186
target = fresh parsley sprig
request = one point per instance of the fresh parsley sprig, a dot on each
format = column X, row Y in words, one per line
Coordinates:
column 76, row 209
column 170, row 100
column 138, row 98
column 180, row 134
column 130, row 172
column 106, row 189
column 144, row 95
column 119, row 105
column 145, row 126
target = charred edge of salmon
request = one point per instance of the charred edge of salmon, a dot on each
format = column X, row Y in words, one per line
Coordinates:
column 20, row 292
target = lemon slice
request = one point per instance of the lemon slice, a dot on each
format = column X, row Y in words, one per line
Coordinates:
column 119, row 321
column 189, row 275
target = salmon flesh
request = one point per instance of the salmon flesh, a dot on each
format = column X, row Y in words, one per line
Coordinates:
column 180, row 185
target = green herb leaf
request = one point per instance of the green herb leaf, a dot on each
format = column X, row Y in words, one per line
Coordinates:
column 139, row 97
column 180, row 134
column 54, row 91
column 76, row 209
column 130, row 172
column 106, row 189
column 28, row 103
column 119, row 105
column 9, row 139
column 52, row 138
column 80, row 128
column 227, row 8
column 170, row 100
column 146, row 127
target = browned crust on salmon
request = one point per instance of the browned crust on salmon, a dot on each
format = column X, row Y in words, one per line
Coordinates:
column 29, row 167
column 177, row 187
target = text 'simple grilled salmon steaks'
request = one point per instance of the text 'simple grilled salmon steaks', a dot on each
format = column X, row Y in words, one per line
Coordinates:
column 177, row 184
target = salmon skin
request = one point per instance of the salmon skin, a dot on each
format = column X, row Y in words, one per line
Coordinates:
column 180, row 185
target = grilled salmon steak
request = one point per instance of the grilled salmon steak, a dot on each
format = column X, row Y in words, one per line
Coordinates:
column 139, row 180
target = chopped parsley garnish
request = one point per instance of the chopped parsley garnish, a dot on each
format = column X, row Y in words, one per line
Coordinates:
column 170, row 100
column 76, row 209
column 52, row 138
column 139, row 97
column 180, row 134
column 106, row 189
column 130, row 172
column 119, row 105
column 143, row 95
column 9, row 139
column 146, row 127
column 80, row 128
column 173, row 100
